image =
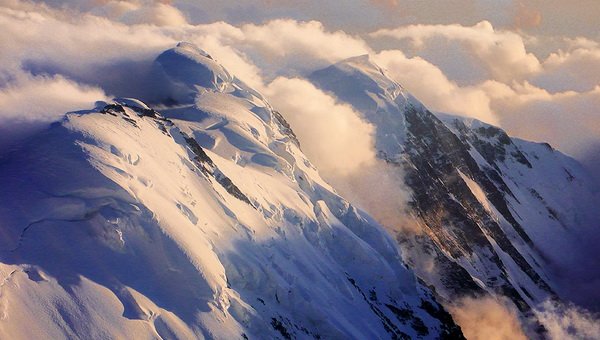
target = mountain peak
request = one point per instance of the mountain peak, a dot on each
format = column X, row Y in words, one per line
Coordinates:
column 363, row 64
column 362, row 81
column 364, row 59
column 186, row 67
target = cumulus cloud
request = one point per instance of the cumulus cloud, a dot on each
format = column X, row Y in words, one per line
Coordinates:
column 502, row 53
column 289, row 47
column 332, row 134
column 428, row 83
column 486, row 318
column 159, row 14
column 575, row 69
column 150, row 12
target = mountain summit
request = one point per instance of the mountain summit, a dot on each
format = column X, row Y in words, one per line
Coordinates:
column 500, row 215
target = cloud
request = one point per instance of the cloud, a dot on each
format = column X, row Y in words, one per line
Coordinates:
column 574, row 69
column 289, row 47
column 29, row 103
column 430, row 85
column 281, row 38
column 159, row 14
column 332, row 134
column 30, row 98
column 342, row 146
column 568, row 322
column 502, row 53
column 487, row 319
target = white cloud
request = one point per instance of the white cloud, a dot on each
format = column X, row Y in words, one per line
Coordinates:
column 332, row 134
column 284, row 46
column 430, row 85
column 304, row 45
column 502, row 53
column 342, row 146
column 577, row 69
column 44, row 98
column 159, row 14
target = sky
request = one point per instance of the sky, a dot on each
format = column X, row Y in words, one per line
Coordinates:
column 530, row 67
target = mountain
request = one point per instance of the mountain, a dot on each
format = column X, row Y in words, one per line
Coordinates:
column 498, row 215
column 203, row 220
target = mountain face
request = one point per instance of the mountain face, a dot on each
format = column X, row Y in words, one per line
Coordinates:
column 203, row 220
column 499, row 215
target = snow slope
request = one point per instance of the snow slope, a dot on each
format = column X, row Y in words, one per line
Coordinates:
column 203, row 221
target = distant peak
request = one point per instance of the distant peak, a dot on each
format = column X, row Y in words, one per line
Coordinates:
column 362, row 63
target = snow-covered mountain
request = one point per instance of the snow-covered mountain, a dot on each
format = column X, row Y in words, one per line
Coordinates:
column 201, row 217
column 203, row 220
column 498, row 215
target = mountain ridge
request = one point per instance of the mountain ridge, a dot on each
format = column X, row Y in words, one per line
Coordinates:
column 201, row 221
